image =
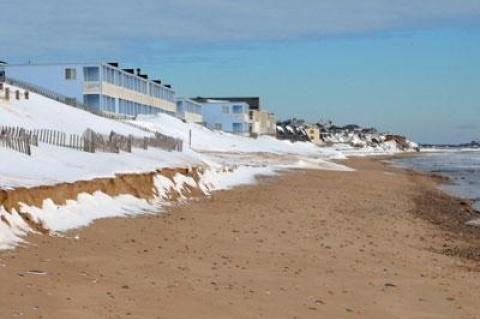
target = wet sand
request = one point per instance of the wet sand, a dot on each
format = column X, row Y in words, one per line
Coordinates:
column 375, row 243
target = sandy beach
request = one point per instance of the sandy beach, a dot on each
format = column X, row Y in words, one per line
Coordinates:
column 378, row 242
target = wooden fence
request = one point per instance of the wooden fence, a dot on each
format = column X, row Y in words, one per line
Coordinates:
column 19, row 144
column 62, row 139
column 21, row 140
column 17, row 139
column 160, row 140
column 114, row 143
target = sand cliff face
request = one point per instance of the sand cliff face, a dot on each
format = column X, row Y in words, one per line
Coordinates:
column 138, row 185
column 141, row 186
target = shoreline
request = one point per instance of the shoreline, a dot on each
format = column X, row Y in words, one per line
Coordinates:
column 370, row 243
column 447, row 211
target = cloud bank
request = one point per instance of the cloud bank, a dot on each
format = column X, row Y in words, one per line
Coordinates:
column 46, row 26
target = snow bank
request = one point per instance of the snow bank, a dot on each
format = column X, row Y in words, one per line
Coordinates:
column 51, row 165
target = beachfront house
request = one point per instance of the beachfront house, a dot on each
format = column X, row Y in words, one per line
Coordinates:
column 227, row 116
column 189, row 110
column 292, row 130
column 261, row 122
column 104, row 87
column 314, row 134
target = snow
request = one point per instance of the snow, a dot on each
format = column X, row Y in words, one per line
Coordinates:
column 228, row 161
column 39, row 112
column 51, row 165
column 206, row 140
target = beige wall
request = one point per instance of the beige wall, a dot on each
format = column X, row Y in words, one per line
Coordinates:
column 314, row 135
column 193, row 117
column 126, row 94
column 263, row 123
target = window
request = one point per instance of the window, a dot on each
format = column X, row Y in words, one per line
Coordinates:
column 226, row 109
column 108, row 75
column 92, row 100
column 218, row 126
column 91, row 74
column 70, row 74
column 238, row 109
column 108, row 104
column 237, row 127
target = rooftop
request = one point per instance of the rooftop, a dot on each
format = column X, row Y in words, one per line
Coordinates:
column 253, row 102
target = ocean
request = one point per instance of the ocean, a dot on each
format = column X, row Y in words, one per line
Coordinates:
column 463, row 168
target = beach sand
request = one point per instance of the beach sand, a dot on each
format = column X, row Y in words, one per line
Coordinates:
column 379, row 242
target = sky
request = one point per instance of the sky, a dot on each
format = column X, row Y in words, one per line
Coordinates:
column 405, row 66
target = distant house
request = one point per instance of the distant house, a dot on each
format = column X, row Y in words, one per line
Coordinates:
column 102, row 86
column 189, row 110
column 227, row 116
column 292, row 130
column 314, row 134
column 352, row 128
column 262, row 122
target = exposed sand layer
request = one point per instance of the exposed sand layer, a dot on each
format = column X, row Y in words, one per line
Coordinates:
column 374, row 243
column 138, row 185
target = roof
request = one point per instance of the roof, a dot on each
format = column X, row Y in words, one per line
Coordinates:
column 253, row 102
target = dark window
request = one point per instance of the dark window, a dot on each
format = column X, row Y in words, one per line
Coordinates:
column 70, row 74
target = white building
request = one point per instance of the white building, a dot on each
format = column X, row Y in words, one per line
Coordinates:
column 227, row 116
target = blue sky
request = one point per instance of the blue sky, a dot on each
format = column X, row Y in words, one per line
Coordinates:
column 407, row 66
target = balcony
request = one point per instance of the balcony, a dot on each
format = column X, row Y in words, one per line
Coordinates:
column 91, row 87
column 241, row 117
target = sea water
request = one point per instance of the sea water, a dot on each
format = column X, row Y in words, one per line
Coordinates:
column 462, row 167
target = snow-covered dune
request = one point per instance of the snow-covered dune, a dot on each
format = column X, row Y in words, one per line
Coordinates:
column 51, row 165
column 206, row 140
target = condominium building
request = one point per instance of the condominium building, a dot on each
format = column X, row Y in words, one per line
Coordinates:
column 103, row 86
column 261, row 122
column 227, row 116
column 189, row 110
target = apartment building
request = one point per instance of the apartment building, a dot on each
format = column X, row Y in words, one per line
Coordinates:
column 227, row 116
column 261, row 122
column 189, row 110
column 102, row 86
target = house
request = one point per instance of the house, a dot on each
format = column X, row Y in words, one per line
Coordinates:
column 104, row 87
column 314, row 134
column 262, row 122
column 292, row 130
column 189, row 110
column 231, row 117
